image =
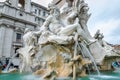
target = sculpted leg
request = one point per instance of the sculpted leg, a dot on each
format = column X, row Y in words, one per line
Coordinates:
column 70, row 29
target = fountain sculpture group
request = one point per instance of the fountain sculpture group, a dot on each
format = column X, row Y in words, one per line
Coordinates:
column 63, row 46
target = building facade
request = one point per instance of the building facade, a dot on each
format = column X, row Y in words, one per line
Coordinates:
column 15, row 16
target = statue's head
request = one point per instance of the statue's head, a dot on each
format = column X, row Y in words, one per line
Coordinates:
column 98, row 30
column 51, row 6
column 85, row 8
column 53, row 9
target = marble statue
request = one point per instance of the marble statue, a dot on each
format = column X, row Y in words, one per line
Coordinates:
column 60, row 33
column 29, row 49
column 100, row 37
column 63, row 46
column 30, row 37
column 109, row 49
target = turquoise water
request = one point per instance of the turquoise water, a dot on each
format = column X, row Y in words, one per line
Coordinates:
column 109, row 75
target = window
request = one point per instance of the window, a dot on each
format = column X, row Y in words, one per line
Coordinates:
column 36, row 19
column 39, row 12
column 18, row 37
column 21, row 4
column 21, row 14
column 43, row 13
column 42, row 21
column 35, row 11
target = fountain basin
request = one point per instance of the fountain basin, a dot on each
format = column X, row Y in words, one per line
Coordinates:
column 106, row 75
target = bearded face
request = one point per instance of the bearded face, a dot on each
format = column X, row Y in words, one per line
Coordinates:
column 85, row 9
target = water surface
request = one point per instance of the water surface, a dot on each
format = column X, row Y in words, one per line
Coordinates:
column 108, row 75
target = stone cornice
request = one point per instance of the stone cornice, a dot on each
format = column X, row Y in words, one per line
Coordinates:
column 7, row 25
column 22, row 10
column 17, row 19
column 18, row 29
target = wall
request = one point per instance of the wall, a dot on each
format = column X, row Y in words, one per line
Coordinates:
column 2, row 33
column 8, row 38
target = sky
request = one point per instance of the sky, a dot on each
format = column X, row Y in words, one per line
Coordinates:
column 105, row 16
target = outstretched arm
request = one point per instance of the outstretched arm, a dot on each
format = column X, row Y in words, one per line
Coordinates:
column 47, row 22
